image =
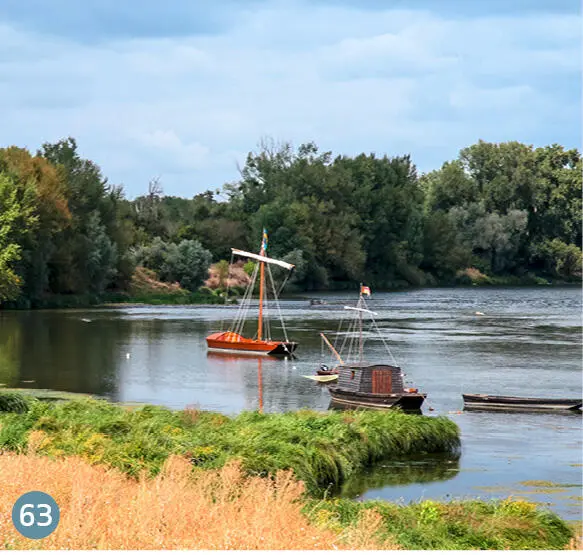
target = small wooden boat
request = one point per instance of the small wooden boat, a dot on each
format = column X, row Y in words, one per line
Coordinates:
column 370, row 385
column 496, row 402
column 324, row 374
column 323, row 379
column 233, row 340
column 333, row 372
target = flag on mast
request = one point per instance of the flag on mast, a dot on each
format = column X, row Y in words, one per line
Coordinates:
column 364, row 290
column 264, row 241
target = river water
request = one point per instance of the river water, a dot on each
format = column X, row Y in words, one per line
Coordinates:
column 527, row 343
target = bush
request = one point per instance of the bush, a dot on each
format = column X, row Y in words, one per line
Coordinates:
column 559, row 259
column 186, row 262
column 473, row 276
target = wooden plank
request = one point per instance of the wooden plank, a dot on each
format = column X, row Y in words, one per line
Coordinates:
column 381, row 381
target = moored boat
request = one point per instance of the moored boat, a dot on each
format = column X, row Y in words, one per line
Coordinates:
column 505, row 403
column 233, row 340
column 374, row 386
column 323, row 378
column 235, row 343
column 369, row 385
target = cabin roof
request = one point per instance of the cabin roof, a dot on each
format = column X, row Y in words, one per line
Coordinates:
column 363, row 365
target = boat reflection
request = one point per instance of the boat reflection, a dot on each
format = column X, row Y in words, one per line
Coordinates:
column 335, row 405
column 243, row 359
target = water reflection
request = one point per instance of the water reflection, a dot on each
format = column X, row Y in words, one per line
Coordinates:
column 232, row 359
column 68, row 352
column 10, row 348
column 339, row 406
column 400, row 472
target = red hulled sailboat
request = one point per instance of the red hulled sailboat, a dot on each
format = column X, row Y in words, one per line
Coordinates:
column 233, row 340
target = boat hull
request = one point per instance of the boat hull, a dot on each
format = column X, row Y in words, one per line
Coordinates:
column 494, row 402
column 229, row 342
column 323, row 379
column 350, row 399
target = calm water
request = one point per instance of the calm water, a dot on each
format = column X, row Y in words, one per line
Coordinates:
column 528, row 343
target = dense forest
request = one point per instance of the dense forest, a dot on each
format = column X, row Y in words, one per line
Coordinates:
column 499, row 213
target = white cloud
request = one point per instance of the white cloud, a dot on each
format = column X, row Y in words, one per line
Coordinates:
column 396, row 81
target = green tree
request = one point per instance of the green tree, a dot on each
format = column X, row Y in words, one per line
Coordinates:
column 42, row 181
column 187, row 262
column 101, row 254
column 448, row 187
column 559, row 259
column 16, row 220
column 444, row 254
column 88, row 193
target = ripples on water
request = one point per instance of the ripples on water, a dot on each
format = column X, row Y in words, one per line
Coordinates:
column 527, row 343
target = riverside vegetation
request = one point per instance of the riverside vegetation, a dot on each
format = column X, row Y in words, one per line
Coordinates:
column 195, row 479
column 323, row 449
column 503, row 213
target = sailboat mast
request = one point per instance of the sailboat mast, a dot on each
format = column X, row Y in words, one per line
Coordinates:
column 360, row 322
column 360, row 326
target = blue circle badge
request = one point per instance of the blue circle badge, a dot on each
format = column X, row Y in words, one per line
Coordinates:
column 35, row 515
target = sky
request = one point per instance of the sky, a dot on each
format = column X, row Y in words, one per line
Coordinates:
column 182, row 90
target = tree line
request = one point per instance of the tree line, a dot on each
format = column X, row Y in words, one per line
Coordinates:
column 498, row 213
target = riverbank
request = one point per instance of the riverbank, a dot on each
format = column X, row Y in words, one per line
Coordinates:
column 151, row 476
column 226, row 509
column 323, row 449
column 115, row 299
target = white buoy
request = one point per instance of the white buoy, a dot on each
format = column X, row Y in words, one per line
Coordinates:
column 127, row 355
column 480, row 314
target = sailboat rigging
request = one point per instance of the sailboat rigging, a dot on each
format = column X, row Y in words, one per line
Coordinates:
column 262, row 343
column 363, row 384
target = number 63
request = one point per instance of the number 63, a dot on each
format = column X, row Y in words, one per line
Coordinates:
column 27, row 518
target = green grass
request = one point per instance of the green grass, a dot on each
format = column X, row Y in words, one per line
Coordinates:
column 88, row 301
column 14, row 402
column 323, row 449
column 547, row 484
column 174, row 298
column 455, row 525
column 41, row 394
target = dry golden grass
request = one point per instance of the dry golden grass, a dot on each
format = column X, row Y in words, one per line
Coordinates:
column 576, row 543
column 473, row 273
column 103, row 509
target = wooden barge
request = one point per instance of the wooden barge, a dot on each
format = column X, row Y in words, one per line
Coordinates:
column 374, row 386
column 497, row 402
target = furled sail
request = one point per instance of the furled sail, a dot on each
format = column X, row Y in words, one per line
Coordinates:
column 264, row 259
column 360, row 310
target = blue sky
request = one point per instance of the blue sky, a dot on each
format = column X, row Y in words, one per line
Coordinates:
column 183, row 89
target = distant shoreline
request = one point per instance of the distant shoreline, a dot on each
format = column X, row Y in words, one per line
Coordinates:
column 84, row 302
